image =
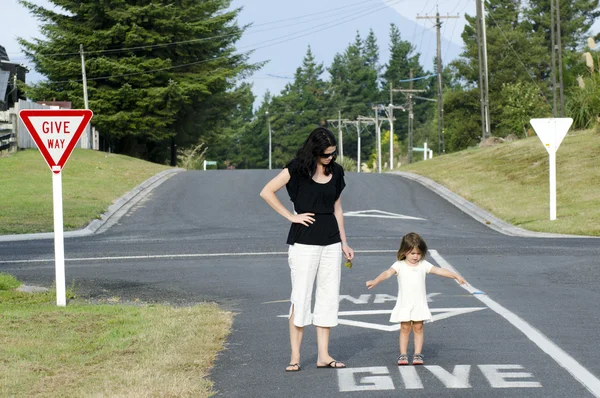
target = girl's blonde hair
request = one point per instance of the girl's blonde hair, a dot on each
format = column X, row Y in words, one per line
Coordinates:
column 411, row 241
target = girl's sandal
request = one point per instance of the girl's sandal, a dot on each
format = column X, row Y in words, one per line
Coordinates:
column 403, row 360
column 417, row 359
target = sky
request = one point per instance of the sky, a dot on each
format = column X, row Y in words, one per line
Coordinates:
column 282, row 31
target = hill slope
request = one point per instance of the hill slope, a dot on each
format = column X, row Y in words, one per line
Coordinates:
column 511, row 181
column 91, row 182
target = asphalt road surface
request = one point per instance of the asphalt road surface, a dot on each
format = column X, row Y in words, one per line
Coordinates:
column 527, row 325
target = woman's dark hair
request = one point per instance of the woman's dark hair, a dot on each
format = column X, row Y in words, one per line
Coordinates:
column 411, row 241
column 317, row 142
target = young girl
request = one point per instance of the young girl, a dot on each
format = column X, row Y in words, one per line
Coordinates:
column 411, row 308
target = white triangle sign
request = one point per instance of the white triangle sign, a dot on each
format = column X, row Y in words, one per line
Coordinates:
column 551, row 131
column 55, row 132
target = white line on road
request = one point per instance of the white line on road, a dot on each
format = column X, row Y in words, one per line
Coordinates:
column 161, row 256
column 585, row 377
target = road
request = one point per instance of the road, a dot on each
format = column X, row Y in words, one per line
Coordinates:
column 527, row 325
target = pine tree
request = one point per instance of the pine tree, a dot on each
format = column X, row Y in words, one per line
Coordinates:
column 517, row 57
column 576, row 20
column 403, row 60
column 354, row 88
column 157, row 74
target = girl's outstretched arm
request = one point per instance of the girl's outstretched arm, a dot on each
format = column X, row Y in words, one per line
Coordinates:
column 383, row 276
column 448, row 274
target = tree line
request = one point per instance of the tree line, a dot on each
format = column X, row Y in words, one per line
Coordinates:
column 164, row 76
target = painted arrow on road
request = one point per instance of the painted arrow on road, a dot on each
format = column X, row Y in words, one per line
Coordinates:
column 380, row 214
column 437, row 314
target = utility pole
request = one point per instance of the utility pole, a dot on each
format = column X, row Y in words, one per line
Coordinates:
column 85, row 94
column 553, row 57
column 389, row 111
column 390, row 115
column 438, row 25
column 357, row 124
column 560, row 71
column 84, row 78
column 486, row 80
column 270, row 134
column 556, row 55
column 483, row 71
column 410, row 94
column 411, row 118
column 378, row 135
column 339, row 122
column 340, row 142
column 375, row 121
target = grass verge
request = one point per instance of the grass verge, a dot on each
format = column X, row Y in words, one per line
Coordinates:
column 91, row 181
column 511, row 181
column 105, row 350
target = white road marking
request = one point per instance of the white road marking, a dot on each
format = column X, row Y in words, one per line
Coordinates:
column 380, row 298
column 380, row 378
column 380, row 214
column 498, row 379
column 459, row 378
column 158, row 256
column 346, row 379
column 581, row 374
column 410, row 377
column 163, row 256
column 443, row 314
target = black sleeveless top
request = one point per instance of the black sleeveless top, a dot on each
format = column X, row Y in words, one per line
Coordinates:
column 309, row 196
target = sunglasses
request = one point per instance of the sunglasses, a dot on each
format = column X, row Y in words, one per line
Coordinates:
column 326, row 155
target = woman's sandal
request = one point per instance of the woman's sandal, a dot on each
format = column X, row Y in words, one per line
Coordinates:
column 295, row 367
column 332, row 365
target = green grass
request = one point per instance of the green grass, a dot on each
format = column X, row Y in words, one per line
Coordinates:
column 511, row 181
column 92, row 350
column 8, row 282
column 91, row 181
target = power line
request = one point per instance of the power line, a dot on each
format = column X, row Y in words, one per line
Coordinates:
column 151, row 46
column 329, row 26
column 451, row 36
column 418, row 78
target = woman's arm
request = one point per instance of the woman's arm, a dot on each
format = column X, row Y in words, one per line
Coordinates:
column 448, row 274
column 383, row 276
column 268, row 194
column 339, row 216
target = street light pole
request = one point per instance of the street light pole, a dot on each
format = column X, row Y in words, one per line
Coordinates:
column 269, row 123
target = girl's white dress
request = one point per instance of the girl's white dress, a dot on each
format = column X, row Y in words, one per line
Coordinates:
column 411, row 304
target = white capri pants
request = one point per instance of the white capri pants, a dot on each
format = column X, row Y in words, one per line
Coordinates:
column 323, row 262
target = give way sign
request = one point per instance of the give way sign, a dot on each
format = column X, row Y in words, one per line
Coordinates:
column 56, row 132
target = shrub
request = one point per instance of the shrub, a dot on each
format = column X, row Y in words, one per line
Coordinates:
column 8, row 282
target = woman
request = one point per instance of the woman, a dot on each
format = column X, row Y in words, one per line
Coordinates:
column 317, row 239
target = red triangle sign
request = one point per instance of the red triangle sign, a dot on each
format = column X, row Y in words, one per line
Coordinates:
column 56, row 132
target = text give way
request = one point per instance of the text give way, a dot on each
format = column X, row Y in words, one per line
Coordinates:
column 380, row 378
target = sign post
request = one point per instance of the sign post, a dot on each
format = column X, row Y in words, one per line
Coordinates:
column 551, row 131
column 56, row 133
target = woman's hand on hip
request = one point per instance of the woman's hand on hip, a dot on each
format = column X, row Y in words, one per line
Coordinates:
column 305, row 219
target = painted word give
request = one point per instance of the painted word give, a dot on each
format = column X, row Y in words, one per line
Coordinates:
column 379, row 378
column 56, row 127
